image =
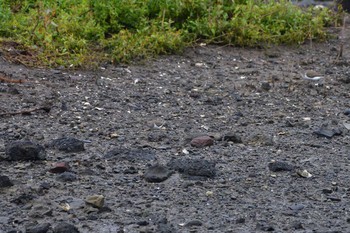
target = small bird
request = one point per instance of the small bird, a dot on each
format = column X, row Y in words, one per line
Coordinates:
column 312, row 75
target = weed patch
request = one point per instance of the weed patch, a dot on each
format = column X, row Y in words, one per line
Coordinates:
column 86, row 32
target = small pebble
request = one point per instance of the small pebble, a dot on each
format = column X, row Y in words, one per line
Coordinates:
column 232, row 137
column 60, row 167
column 202, row 141
column 66, row 177
column 68, row 144
column 328, row 133
column 304, row 173
column 96, row 201
column 5, row 182
column 157, row 173
column 194, row 223
column 64, row 227
column 39, row 228
column 278, row 166
column 194, row 167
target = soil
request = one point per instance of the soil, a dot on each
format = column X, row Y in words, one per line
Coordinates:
column 272, row 154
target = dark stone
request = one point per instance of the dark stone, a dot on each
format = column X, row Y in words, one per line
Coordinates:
column 68, row 144
column 240, row 221
column 194, row 223
column 279, row 166
column 347, row 112
column 194, row 167
column 130, row 170
column 289, row 123
column 45, row 185
column 327, row 191
column 232, row 137
column 5, row 182
column 64, row 227
column 164, row 226
column 25, row 151
column 40, row 228
column 297, row 226
column 202, row 141
column 328, row 133
column 23, row 199
column 265, row 86
column 263, row 226
column 131, row 155
column 143, row 223
column 157, row 173
column 66, row 177
column 156, row 137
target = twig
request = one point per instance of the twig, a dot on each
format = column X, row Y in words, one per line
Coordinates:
column 45, row 108
column 342, row 35
column 7, row 80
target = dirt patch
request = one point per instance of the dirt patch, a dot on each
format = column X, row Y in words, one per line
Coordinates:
column 252, row 105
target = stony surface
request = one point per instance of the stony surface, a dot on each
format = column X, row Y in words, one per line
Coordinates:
column 118, row 122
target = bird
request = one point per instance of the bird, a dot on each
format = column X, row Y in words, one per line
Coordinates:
column 312, row 75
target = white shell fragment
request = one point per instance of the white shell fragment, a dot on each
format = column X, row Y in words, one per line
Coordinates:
column 304, row 173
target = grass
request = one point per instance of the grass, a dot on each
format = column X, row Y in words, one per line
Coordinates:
column 84, row 33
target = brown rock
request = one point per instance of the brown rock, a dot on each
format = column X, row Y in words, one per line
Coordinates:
column 60, row 167
column 202, row 141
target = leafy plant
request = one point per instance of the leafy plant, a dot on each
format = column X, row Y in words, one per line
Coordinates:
column 85, row 32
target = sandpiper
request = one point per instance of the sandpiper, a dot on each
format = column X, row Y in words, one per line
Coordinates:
column 312, row 75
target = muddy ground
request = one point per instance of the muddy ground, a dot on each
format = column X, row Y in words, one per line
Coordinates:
column 277, row 156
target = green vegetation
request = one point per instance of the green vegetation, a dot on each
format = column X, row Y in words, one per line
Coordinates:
column 86, row 32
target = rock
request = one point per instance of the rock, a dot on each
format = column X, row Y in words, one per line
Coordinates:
column 66, row 177
column 23, row 198
column 40, row 211
column 263, row 226
column 5, row 182
column 156, row 137
column 194, row 223
column 96, row 201
column 25, row 151
column 261, row 140
column 68, row 144
column 265, row 86
column 277, row 166
column 194, row 167
column 60, row 167
column 347, row 112
column 39, row 228
column 328, row 133
column 232, row 137
column 157, row 173
column 164, row 226
column 240, row 220
column 202, row 141
column 297, row 226
column 131, row 155
column 297, row 207
column 75, row 203
column 304, row 173
column 64, row 227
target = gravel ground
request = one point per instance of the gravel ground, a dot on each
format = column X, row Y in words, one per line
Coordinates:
column 218, row 139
